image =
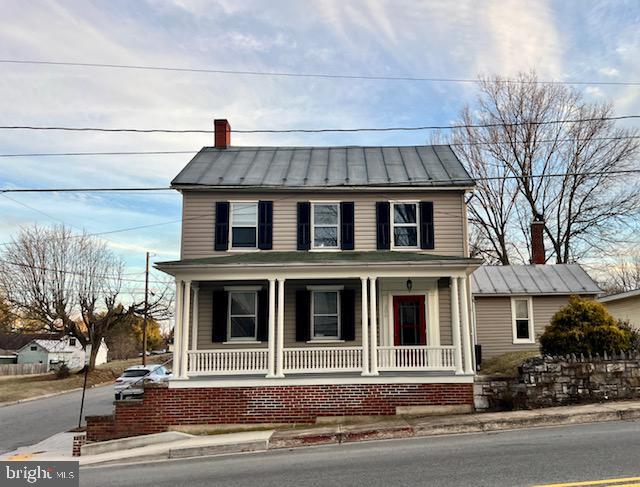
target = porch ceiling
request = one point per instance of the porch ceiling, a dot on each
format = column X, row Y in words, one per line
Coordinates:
column 296, row 258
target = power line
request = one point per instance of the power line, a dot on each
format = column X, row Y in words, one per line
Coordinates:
column 287, row 74
column 313, row 131
column 283, row 149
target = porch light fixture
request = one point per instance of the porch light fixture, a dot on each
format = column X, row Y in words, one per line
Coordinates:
column 409, row 284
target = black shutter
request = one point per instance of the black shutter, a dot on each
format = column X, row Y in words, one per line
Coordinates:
column 303, row 315
column 222, row 225
column 265, row 225
column 263, row 315
column 383, row 226
column 219, row 313
column 426, row 225
column 304, row 225
column 347, row 225
column 348, row 314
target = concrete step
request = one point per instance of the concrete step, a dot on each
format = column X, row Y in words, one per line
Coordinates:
column 133, row 442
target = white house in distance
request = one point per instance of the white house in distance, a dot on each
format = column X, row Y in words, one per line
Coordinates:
column 57, row 351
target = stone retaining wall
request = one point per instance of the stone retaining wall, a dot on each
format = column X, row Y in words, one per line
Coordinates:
column 555, row 381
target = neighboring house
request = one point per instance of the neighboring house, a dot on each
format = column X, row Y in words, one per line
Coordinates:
column 624, row 306
column 8, row 356
column 48, row 348
column 514, row 303
column 339, row 270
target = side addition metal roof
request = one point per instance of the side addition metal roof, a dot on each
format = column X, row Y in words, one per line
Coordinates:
column 322, row 167
column 532, row 279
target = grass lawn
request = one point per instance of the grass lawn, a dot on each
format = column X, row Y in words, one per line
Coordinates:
column 506, row 365
column 23, row 387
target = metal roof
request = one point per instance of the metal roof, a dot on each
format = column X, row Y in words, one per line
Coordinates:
column 532, row 279
column 624, row 295
column 314, row 167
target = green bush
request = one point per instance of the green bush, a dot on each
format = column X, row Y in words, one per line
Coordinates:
column 585, row 326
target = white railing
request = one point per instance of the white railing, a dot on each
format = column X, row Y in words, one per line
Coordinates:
column 228, row 362
column 322, row 359
column 416, row 358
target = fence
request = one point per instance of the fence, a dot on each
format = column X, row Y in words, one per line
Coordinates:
column 22, row 369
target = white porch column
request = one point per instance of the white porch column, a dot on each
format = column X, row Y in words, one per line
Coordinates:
column 280, row 331
column 365, row 327
column 272, row 329
column 194, row 329
column 177, row 331
column 466, row 338
column 455, row 324
column 373, row 314
column 184, row 342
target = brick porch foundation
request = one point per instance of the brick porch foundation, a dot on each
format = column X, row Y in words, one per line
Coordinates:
column 162, row 407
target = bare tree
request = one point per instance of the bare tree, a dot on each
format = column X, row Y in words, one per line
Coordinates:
column 584, row 206
column 622, row 276
column 71, row 284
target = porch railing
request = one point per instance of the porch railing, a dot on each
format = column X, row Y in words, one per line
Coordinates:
column 228, row 362
column 322, row 359
column 416, row 358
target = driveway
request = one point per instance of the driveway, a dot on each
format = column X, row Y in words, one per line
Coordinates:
column 30, row 422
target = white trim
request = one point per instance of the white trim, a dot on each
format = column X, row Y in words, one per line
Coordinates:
column 230, row 237
column 338, row 226
column 338, row 314
column 280, row 329
column 235, row 342
column 332, row 379
column 325, row 340
column 393, row 225
column 253, row 339
column 514, row 330
column 194, row 319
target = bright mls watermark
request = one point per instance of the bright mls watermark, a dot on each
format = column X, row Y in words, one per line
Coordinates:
column 53, row 474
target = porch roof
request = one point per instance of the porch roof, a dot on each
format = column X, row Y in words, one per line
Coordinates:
column 271, row 258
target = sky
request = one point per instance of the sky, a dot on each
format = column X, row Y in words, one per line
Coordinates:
column 561, row 40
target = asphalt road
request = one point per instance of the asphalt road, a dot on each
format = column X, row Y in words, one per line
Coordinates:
column 30, row 422
column 513, row 458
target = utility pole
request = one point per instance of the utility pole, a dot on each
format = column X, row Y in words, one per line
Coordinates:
column 146, row 305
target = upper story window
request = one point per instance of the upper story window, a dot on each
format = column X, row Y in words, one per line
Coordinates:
column 325, row 315
column 522, row 316
column 404, row 220
column 244, row 225
column 33, row 348
column 325, row 225
column 72, row 342
column 243, row 316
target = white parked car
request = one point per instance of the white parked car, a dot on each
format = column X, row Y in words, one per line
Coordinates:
column 129, row 384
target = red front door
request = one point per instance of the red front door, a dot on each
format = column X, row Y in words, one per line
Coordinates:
column 409, row 320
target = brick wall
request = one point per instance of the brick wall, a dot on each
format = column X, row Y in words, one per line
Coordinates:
column 163, row 407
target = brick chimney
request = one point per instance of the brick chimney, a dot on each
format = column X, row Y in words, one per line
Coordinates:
column 222, row 133
column 537, row 240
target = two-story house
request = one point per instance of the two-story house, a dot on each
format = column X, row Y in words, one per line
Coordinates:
column 320, row 281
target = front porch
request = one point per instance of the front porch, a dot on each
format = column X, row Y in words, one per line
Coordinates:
column 400, row 322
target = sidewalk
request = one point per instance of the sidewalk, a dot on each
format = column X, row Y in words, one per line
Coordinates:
column 176, row 444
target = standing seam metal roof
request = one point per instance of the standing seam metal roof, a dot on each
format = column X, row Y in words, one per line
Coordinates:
column 299, row 167
column 532, row 279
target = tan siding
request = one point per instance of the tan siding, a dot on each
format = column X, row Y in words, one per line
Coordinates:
column 199, row 218
column 444, row 306
column 626, row 309
column 494, row 326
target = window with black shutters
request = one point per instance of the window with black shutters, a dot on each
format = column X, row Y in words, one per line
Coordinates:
column 243, row 316
column 325, row 218
column 325, row 315
column 404, row 221
column 244, row 225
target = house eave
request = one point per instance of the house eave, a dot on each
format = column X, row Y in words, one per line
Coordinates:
column 463, row 186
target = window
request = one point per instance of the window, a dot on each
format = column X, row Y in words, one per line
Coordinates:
column 404, row 217
column 72, row 342
column 326, row 225
column 522, row 314
column 33, row 348
column 243, row 315
column 325, row 315
column 244, row 225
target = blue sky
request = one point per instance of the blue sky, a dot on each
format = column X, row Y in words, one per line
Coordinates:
column 561, row 40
